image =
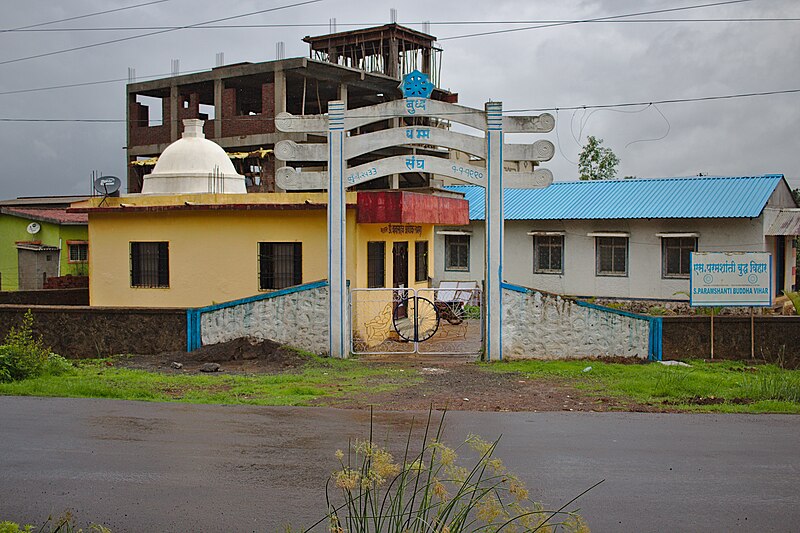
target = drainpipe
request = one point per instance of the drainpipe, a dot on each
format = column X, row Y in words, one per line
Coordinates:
column 59, row 257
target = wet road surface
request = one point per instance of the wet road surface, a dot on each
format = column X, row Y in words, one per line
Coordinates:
column 136, row 466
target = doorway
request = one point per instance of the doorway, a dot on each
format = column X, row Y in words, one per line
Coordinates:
column 400, row 264
column 780, row 264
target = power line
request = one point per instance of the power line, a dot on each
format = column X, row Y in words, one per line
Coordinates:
column 149, row 34
column 596, row 19
column 432, row 23
column 556, row 109
column 96, row 13
column 658, row 102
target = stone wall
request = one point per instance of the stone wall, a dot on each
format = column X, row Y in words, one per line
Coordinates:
column 547, row 326
column 67, row 282
column 46, row 297
column 777, row 338
column 101, row 331
column 297, row 316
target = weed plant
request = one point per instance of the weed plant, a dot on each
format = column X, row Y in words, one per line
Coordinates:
column 778, row 386
column 431, row 491
column 24, row 356
column 62, row 524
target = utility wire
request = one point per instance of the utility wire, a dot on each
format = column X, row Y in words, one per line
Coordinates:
column 596, row 19
column 351, row 113
column 149, row 34
column 96, row 13
column 432, row 23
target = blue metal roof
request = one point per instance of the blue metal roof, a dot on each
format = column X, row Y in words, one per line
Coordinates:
column 697, row 197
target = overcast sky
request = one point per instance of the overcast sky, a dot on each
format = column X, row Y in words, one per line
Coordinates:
column 563, row 66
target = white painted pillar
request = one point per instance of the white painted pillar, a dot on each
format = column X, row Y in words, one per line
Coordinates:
column 493, row 276
column 337, row 256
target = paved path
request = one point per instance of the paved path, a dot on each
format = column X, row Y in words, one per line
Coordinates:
column 174, row 467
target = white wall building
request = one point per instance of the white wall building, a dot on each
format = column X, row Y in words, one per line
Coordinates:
column 626, row 238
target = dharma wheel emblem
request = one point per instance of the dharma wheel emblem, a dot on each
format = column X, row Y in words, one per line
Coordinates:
column 416, row 85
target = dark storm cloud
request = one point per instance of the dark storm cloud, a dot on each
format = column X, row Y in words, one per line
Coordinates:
column 582, row 64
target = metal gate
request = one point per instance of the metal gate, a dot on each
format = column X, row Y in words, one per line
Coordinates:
column 446, row 321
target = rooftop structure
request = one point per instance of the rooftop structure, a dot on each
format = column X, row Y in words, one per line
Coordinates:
column 193, row 164
column 239, row 102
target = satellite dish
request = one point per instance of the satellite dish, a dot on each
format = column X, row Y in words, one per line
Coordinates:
column 33, row 228
column 107, row 185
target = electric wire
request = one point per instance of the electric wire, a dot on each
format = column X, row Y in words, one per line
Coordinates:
column 37, row 26
column 595, row 19
column 351, row 113
column 159, row 32
column 432, row 23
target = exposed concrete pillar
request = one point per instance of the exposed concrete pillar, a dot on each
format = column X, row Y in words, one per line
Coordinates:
column 343, row 93
column 174, row 119
column 392, row 66
column 218, row 109
column 279, row 106
column 337, row 233
column 495, row 217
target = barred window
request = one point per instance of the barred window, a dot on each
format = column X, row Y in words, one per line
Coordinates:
column 612, row 256
column 376, row 264
column 676, row 255
column 456, row 252
column 78, row 252
column 150, row 264
column 421, row 261
column 548, row 254
column 280, row 265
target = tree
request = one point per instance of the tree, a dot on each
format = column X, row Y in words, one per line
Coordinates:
column 596, row 162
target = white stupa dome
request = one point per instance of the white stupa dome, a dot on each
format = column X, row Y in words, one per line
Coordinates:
column 193, row 164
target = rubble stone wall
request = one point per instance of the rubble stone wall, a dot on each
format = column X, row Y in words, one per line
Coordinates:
column 540, row 325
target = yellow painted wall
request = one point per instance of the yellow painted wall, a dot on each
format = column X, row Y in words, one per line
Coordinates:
column 366, row 233
column 371, row 312
column 213, row 255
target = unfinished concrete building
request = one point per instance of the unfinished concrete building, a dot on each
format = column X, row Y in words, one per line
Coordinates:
column 239, row 102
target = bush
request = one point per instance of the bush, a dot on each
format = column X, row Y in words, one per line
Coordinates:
column 23, row 356
column 431, row 492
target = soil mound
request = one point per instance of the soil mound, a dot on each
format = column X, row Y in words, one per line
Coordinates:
column 239, row 355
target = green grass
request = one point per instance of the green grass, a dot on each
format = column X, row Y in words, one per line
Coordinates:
column 320, row 378
column 725, row 386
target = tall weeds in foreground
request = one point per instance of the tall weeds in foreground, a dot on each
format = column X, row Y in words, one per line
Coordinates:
column 778, row 386
column 430, row 491
column 23, row 355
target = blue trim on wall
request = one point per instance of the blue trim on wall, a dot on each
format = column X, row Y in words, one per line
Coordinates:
column 655, row 335
column 193, row 332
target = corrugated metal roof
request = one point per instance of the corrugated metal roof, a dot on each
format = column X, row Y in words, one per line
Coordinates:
column 786, row 223
column 697, row 197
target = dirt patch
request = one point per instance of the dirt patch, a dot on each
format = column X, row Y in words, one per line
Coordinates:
column 237, row 356
column 702, row 400
column 465, row 387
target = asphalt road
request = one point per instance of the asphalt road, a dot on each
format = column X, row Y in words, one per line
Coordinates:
column 173, row 467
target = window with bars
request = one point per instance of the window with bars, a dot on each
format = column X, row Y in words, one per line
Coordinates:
column 78, row 252
column 376, row 264
column 548, row 254
column 280, row 265
column 150, row 264
column 456, row 252
column 421, row 261
column 612, row 256
column 676, row 253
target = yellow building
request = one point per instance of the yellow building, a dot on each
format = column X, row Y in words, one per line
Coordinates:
column 193, row 250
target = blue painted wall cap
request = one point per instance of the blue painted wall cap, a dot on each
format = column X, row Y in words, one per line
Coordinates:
column 415, row 84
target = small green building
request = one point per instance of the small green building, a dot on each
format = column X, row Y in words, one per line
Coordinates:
column 41, row 239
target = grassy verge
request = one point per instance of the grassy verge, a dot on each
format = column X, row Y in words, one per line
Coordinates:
column 726, row 386
column 320, row 378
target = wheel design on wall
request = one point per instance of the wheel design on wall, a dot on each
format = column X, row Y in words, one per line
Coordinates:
column 421, row 310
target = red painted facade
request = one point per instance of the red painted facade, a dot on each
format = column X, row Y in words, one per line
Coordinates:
column 378, row 207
